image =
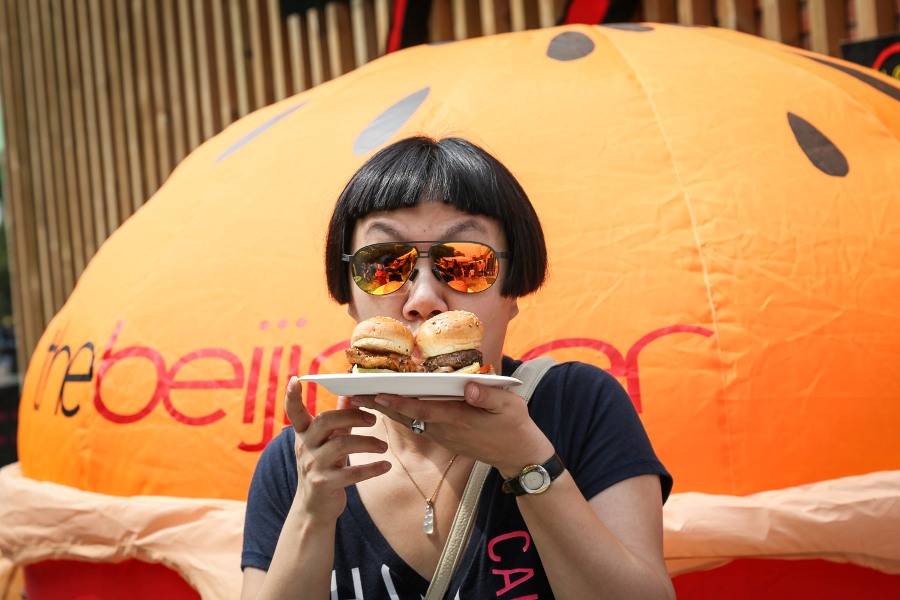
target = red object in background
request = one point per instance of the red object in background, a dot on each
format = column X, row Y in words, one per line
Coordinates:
column 395, row 38
column 751, row 579
column 590, row 12
column 409, row 24
column 77, row 580
column 884, row 55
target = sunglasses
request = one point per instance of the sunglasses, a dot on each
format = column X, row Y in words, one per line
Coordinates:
column 381, row 269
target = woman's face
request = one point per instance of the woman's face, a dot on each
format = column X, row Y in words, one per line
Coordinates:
column 425, row 296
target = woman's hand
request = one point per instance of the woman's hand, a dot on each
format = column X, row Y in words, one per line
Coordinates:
column 323, row 445
column 490, row 424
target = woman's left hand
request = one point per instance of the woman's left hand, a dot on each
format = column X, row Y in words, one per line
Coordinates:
column 489, row 424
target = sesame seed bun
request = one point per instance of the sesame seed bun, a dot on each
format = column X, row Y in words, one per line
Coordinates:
column 448, row 332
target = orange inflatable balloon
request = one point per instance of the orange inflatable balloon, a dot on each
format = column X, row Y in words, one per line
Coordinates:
column 721, row 216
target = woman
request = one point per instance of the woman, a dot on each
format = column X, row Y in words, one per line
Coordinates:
column 353, row 525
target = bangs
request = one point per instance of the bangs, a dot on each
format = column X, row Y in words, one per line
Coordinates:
column 403, row 177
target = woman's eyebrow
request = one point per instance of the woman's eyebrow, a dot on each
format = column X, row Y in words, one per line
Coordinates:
column 464, row 227
column 456, row 230
column 383, row 228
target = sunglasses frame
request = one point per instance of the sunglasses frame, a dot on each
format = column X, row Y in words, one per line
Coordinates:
column 349, row 258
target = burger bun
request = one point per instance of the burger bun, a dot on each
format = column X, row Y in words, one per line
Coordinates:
column 382, row 334
column 450, row 331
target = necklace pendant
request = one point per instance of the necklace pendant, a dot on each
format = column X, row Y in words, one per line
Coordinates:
column 428, row 522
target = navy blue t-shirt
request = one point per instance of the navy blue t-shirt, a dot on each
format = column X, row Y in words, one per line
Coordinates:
column 595, row 429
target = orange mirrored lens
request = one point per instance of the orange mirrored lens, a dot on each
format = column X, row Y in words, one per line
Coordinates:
column 465, row 266
column 380, row 269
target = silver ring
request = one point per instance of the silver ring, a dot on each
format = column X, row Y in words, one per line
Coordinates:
column 418, row 426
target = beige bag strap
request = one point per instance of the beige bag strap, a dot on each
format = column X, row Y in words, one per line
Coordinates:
column 529, row 373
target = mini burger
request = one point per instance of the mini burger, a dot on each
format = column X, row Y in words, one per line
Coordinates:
column 450, row 342
column 381, row 345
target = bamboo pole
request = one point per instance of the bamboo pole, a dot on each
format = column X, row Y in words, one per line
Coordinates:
column 204, row 72
column 827, row 26
column 60, row 249
column 119, row 166
column 18, row 220
column 875, row 17
column 33, row 100
column 103, row 116
column 130, row 107
column 69, row 155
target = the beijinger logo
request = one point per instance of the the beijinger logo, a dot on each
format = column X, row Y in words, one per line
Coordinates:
column 83, row 367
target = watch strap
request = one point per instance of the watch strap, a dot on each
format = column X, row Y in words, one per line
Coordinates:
column 553, row 465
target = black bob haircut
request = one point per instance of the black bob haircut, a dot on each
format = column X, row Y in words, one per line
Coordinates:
column 452, row 171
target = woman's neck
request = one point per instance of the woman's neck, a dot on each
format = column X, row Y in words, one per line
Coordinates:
column 419, row 448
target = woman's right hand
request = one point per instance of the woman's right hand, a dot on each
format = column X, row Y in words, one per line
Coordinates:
column 323, row 445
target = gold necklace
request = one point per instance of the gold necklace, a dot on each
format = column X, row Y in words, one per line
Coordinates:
column 428, row 521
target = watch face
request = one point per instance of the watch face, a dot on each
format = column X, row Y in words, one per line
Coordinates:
column 535, row 479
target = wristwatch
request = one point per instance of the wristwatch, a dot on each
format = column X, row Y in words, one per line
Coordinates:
column 535, row 479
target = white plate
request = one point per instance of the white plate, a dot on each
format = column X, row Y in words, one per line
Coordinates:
column 437, row 386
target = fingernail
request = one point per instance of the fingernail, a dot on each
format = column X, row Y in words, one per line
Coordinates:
column 357, row 402
column 472, row 392
column 369, row 418
column 382, row 400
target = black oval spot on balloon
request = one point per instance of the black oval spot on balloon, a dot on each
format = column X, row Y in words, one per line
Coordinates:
column 820, row 151
column 385, row 125
column 628, row 26
column 570, row 45
column 881, row 86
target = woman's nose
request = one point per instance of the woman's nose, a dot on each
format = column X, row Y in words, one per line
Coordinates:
column 426, row 296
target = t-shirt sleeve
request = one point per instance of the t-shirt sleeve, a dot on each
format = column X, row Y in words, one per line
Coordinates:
column 271, row 493
column 595, row 428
